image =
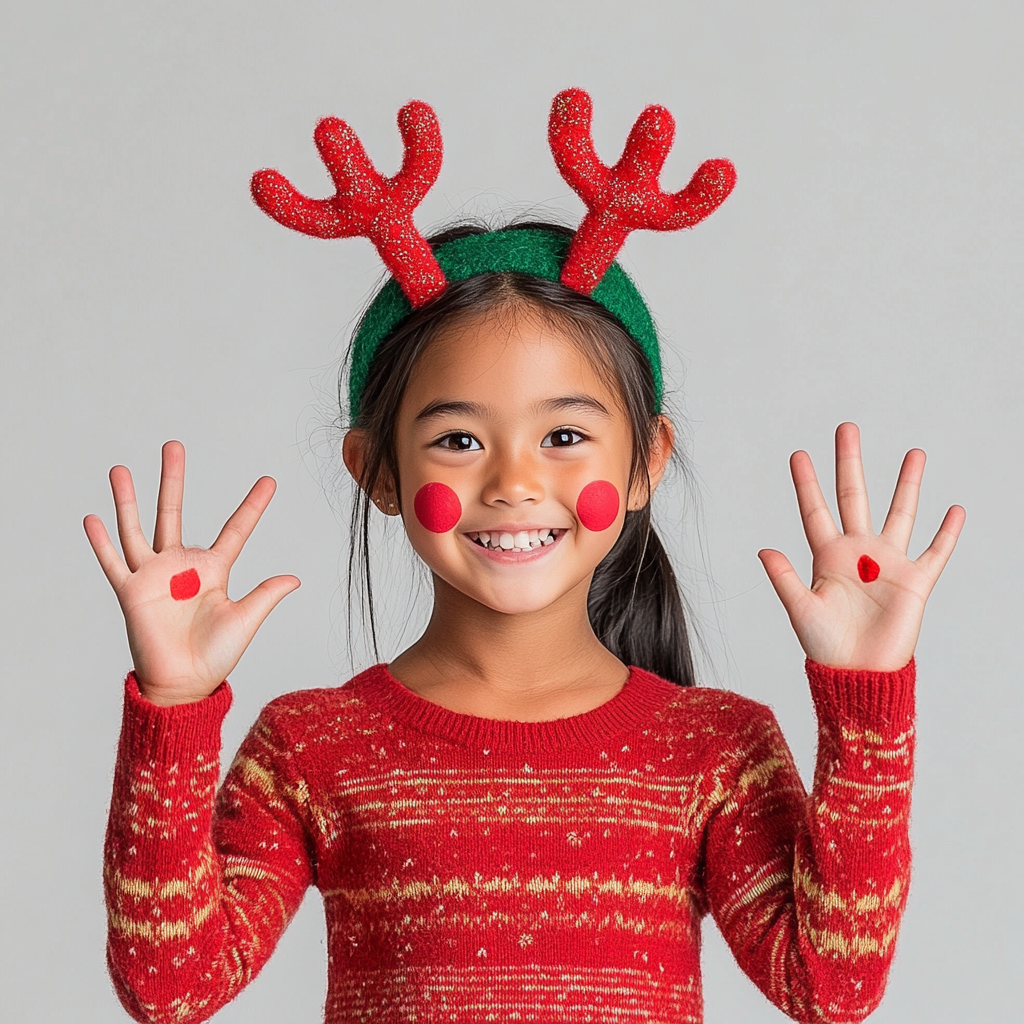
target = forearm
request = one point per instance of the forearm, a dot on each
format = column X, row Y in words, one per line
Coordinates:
column 853, row 860
column 187, row 928
column 161, row 875
column 824, row 877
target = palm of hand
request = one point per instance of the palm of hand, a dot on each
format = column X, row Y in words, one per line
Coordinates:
column 184, row 632
column 844, row 620
column 180, row 640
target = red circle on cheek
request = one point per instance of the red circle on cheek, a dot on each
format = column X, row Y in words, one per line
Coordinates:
column 437, row 507
column 598, row 505
column 185, row 585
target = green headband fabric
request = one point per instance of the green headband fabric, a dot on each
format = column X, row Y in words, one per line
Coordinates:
column 533, row 251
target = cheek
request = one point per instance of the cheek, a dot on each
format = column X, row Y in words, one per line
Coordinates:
column 185, row 585
column 437, row 507
column 598, row 505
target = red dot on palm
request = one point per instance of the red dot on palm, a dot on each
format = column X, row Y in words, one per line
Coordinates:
column 867, row 568
column 185, row 585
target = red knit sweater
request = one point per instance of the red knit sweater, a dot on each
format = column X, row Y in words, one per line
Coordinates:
column 480, row 870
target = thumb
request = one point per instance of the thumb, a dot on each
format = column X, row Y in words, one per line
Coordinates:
column 783, row 578
column 262, row 600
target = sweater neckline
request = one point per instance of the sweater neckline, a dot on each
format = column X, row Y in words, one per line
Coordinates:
column 640, row 697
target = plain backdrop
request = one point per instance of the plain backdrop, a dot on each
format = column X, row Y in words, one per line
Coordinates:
column 867, row 267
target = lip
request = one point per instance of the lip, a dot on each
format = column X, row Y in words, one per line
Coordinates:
column 514, row 528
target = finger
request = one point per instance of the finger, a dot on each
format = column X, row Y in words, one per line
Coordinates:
column 262, row 600
column 129, row 530
column 934, row 558
column 239, row 527
column 819, row 526
column 784, row 578
column 167, row 532
column 107, row 555
column 851, row 490
column 899, row 521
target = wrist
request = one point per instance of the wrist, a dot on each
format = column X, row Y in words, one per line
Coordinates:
column 170, row 693
column 168, row 734
column 870, row 697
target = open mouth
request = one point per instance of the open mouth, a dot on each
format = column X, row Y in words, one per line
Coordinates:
column 523, row 540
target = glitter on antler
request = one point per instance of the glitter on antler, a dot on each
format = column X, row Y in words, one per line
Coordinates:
column 627, row 196
column 367, row 203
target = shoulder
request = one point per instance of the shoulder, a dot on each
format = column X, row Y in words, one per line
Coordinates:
column 717, row 738
column 327, row 713
column 703, row 704
column 704, row 716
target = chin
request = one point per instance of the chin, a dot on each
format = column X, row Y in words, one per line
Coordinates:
column 524, row 607
column 514, row 600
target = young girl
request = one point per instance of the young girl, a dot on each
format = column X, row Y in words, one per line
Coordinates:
column 526, row 815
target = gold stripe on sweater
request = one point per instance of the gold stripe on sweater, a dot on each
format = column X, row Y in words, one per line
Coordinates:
column 567, row 994
column 538, row 885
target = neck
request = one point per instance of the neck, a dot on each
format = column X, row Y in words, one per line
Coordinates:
column 530, row 666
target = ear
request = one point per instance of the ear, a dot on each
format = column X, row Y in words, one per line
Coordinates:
column 657, row 462
column 353, row 451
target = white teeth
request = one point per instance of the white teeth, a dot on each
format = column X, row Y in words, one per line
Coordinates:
column 521, row 540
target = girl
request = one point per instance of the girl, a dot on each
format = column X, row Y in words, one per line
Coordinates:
column 526, row 815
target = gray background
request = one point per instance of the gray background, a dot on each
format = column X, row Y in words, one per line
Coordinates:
column 867, row 267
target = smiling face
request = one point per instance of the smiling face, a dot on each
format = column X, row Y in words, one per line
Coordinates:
column 514, row 457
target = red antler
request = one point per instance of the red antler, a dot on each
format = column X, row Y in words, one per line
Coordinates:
column 627, row 196
column 367, row 203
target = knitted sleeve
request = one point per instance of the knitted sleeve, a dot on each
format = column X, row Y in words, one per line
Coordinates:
column 809, row 890
column 198, row 888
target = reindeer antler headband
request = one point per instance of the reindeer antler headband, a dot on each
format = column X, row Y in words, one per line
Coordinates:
column 619, row 199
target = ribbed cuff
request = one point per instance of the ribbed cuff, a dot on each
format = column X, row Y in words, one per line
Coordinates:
column 861, row 696
column 150, row 732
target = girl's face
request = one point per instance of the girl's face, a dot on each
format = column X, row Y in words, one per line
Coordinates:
column 514, row 458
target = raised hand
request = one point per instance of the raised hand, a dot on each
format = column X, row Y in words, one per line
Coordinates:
column 866, row 600
column 184, row 632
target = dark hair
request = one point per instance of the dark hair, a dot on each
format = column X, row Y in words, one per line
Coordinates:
column 634, row 604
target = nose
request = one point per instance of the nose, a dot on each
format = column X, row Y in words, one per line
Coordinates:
column 513, row 479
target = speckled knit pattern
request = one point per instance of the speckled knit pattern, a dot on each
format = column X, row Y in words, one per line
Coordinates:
column 476, row 870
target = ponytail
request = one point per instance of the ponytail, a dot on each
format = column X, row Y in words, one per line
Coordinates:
column 634, row 604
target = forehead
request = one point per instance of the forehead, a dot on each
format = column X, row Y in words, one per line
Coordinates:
column 508, row 358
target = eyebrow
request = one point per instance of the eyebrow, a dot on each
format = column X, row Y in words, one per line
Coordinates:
column 441, row 407
column 585, row 403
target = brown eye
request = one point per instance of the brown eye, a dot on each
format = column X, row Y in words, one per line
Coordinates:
column 460, row 443
column 562, row 438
